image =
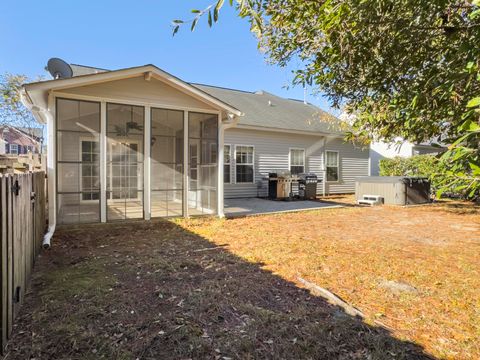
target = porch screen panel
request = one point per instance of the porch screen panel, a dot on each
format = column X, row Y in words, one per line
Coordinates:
column 202, row 163
column 78, row 161
column 125, row 132
column 166, row 195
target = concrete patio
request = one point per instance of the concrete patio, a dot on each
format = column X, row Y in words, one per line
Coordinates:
column 256, row 206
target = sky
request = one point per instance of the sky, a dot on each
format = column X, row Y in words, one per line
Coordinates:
column 117, row 34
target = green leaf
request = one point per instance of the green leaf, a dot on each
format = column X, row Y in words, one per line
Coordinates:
column 475, row 168
column 194, row 24
column 175, row 29
column 210, row 18
column 178, row 21
column 196, row 11
column 219, row 5
column 474, row 102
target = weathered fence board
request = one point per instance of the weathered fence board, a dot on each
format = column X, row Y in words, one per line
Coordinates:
column 22, row 221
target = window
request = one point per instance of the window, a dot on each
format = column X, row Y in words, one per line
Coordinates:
column 13, row 149
column 332, row 165
column 226, row 164
column 297, row 161
column 90, row 171
column 244, row 157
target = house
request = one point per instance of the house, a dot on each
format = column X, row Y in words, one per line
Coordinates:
column 381, row 150
column 20, row 140
column 142, row 143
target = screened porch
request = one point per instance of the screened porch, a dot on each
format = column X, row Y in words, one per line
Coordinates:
column 123, row 161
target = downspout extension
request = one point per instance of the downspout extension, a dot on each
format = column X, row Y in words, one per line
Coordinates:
column 48, row 236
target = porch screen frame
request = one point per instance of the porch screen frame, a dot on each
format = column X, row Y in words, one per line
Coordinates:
column 57, row 130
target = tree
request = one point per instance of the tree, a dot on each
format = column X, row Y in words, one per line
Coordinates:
column 405, row 68
column 12, row 111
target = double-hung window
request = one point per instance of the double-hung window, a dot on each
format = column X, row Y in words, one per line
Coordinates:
column 13, row 149
column 244, row 168
column 297, row 161
column 332, row 160
column 226, row 164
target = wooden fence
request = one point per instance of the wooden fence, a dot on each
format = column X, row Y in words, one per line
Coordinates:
column 22, row 226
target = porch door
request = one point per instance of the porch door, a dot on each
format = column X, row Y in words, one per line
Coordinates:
column 124, row 167
column 125, row 144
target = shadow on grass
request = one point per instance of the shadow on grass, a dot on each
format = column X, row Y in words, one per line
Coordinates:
column 458, row 207
column 156, row 291
column 346, row 200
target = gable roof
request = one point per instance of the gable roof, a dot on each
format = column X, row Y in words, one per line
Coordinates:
column 269, row 111
column 255, row 109
column 35, row 95
column 34, row 132
column 18, row 135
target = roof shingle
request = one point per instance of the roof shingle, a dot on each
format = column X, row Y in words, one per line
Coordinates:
column 263, row 109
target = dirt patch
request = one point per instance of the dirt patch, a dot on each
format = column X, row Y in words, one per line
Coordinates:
column 153, row 291
column 398, row 287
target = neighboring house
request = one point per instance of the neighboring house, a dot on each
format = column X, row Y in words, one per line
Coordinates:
column 120, row 141
column 381, row 150
column 18, row 140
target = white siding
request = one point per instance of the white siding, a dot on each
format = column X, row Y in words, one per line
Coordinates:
column 271, row 155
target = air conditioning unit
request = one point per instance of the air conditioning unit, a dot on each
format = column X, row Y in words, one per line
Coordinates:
column 371, row 200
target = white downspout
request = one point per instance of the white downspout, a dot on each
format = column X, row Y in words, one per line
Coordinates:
column 46, row 116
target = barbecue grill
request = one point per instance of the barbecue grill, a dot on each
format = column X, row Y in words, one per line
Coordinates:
column 285, row 186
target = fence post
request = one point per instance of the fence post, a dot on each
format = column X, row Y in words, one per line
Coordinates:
column 3, row 264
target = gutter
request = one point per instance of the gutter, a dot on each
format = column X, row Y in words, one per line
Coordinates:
column 38, row 112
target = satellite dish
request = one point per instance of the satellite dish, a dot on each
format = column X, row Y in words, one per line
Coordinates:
column 59, row 69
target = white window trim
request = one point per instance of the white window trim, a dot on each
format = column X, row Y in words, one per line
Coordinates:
column 290, row 158
column 16, row 149
column 338, row 166
column 230, row 163
column 253, row 163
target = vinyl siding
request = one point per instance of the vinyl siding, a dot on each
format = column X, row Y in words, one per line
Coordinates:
column 272, row 155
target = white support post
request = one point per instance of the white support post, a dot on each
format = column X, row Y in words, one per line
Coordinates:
column 185, row 164
column 103, row 161
column 52, row 161
column 220, row 161
column 146, row 164
column 324, row 175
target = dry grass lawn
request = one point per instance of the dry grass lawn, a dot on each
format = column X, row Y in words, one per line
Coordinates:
column 415, row 269
column 228, row 289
